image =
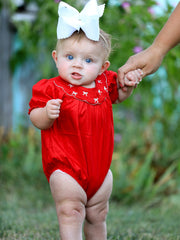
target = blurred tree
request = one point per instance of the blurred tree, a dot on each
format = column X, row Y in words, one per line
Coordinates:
column 5, row 75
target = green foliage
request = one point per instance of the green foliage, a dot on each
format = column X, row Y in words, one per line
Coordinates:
column 144, row 166
column 129, row 28
column 37, row 39
column 20, row 158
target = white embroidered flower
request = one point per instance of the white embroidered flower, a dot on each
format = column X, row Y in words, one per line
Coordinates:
column 96, row 100
column 105, row 88
column 74, row 93
column 85, row 93
column 99, row 91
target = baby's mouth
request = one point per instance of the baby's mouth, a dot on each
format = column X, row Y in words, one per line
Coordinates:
column 76, row 75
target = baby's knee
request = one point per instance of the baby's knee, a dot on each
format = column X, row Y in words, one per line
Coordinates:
column 69, row 212
column 97, row 215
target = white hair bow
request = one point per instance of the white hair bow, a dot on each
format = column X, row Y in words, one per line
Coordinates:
column 71, row 20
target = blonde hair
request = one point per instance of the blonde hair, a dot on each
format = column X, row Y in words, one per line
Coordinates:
column 104, row 40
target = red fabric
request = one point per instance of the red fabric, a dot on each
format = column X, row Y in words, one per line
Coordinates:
column 80, row 142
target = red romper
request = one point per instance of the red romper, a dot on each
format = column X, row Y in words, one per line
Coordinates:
column 80, row 142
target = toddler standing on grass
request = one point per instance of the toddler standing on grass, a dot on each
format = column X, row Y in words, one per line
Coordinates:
column 74, row 113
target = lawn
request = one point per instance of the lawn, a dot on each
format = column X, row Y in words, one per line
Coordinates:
column 29, row 214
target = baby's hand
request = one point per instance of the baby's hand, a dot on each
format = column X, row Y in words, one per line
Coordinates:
column 53, row 108
column 133, row 78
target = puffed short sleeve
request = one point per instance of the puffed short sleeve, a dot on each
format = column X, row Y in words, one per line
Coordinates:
column 112, row 85
column 43, row 91
column 41, row 94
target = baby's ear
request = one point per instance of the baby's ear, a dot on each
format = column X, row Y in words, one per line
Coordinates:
column 54, row 55
column 104, row 67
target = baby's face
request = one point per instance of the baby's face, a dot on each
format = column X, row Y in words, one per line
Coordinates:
column 80, row 62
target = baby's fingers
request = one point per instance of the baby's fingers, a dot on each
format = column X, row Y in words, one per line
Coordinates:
column 53, row 113
column 56, row 102
column 133, row 78
column 53, row 108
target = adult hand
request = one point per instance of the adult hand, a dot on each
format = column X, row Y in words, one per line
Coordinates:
column 148, row 61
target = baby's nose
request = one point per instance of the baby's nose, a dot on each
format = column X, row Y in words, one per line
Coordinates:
column 78, row 63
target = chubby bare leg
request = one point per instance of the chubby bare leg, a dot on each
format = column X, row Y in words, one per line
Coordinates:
column 96, row 211
column 70, row 200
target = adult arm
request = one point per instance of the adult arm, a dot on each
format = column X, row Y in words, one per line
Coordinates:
column 150, row 59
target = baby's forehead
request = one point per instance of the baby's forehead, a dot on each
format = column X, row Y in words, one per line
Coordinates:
column 78, row 43
column 76, row 39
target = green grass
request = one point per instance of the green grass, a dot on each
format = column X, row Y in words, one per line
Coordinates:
column 158, row 220
column 28, row 214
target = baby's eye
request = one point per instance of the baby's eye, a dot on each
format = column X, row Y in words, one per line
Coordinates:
column 70, row 57
column 88, row 60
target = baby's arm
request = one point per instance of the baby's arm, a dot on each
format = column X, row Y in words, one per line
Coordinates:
column 43, row 118
column 132, row 79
